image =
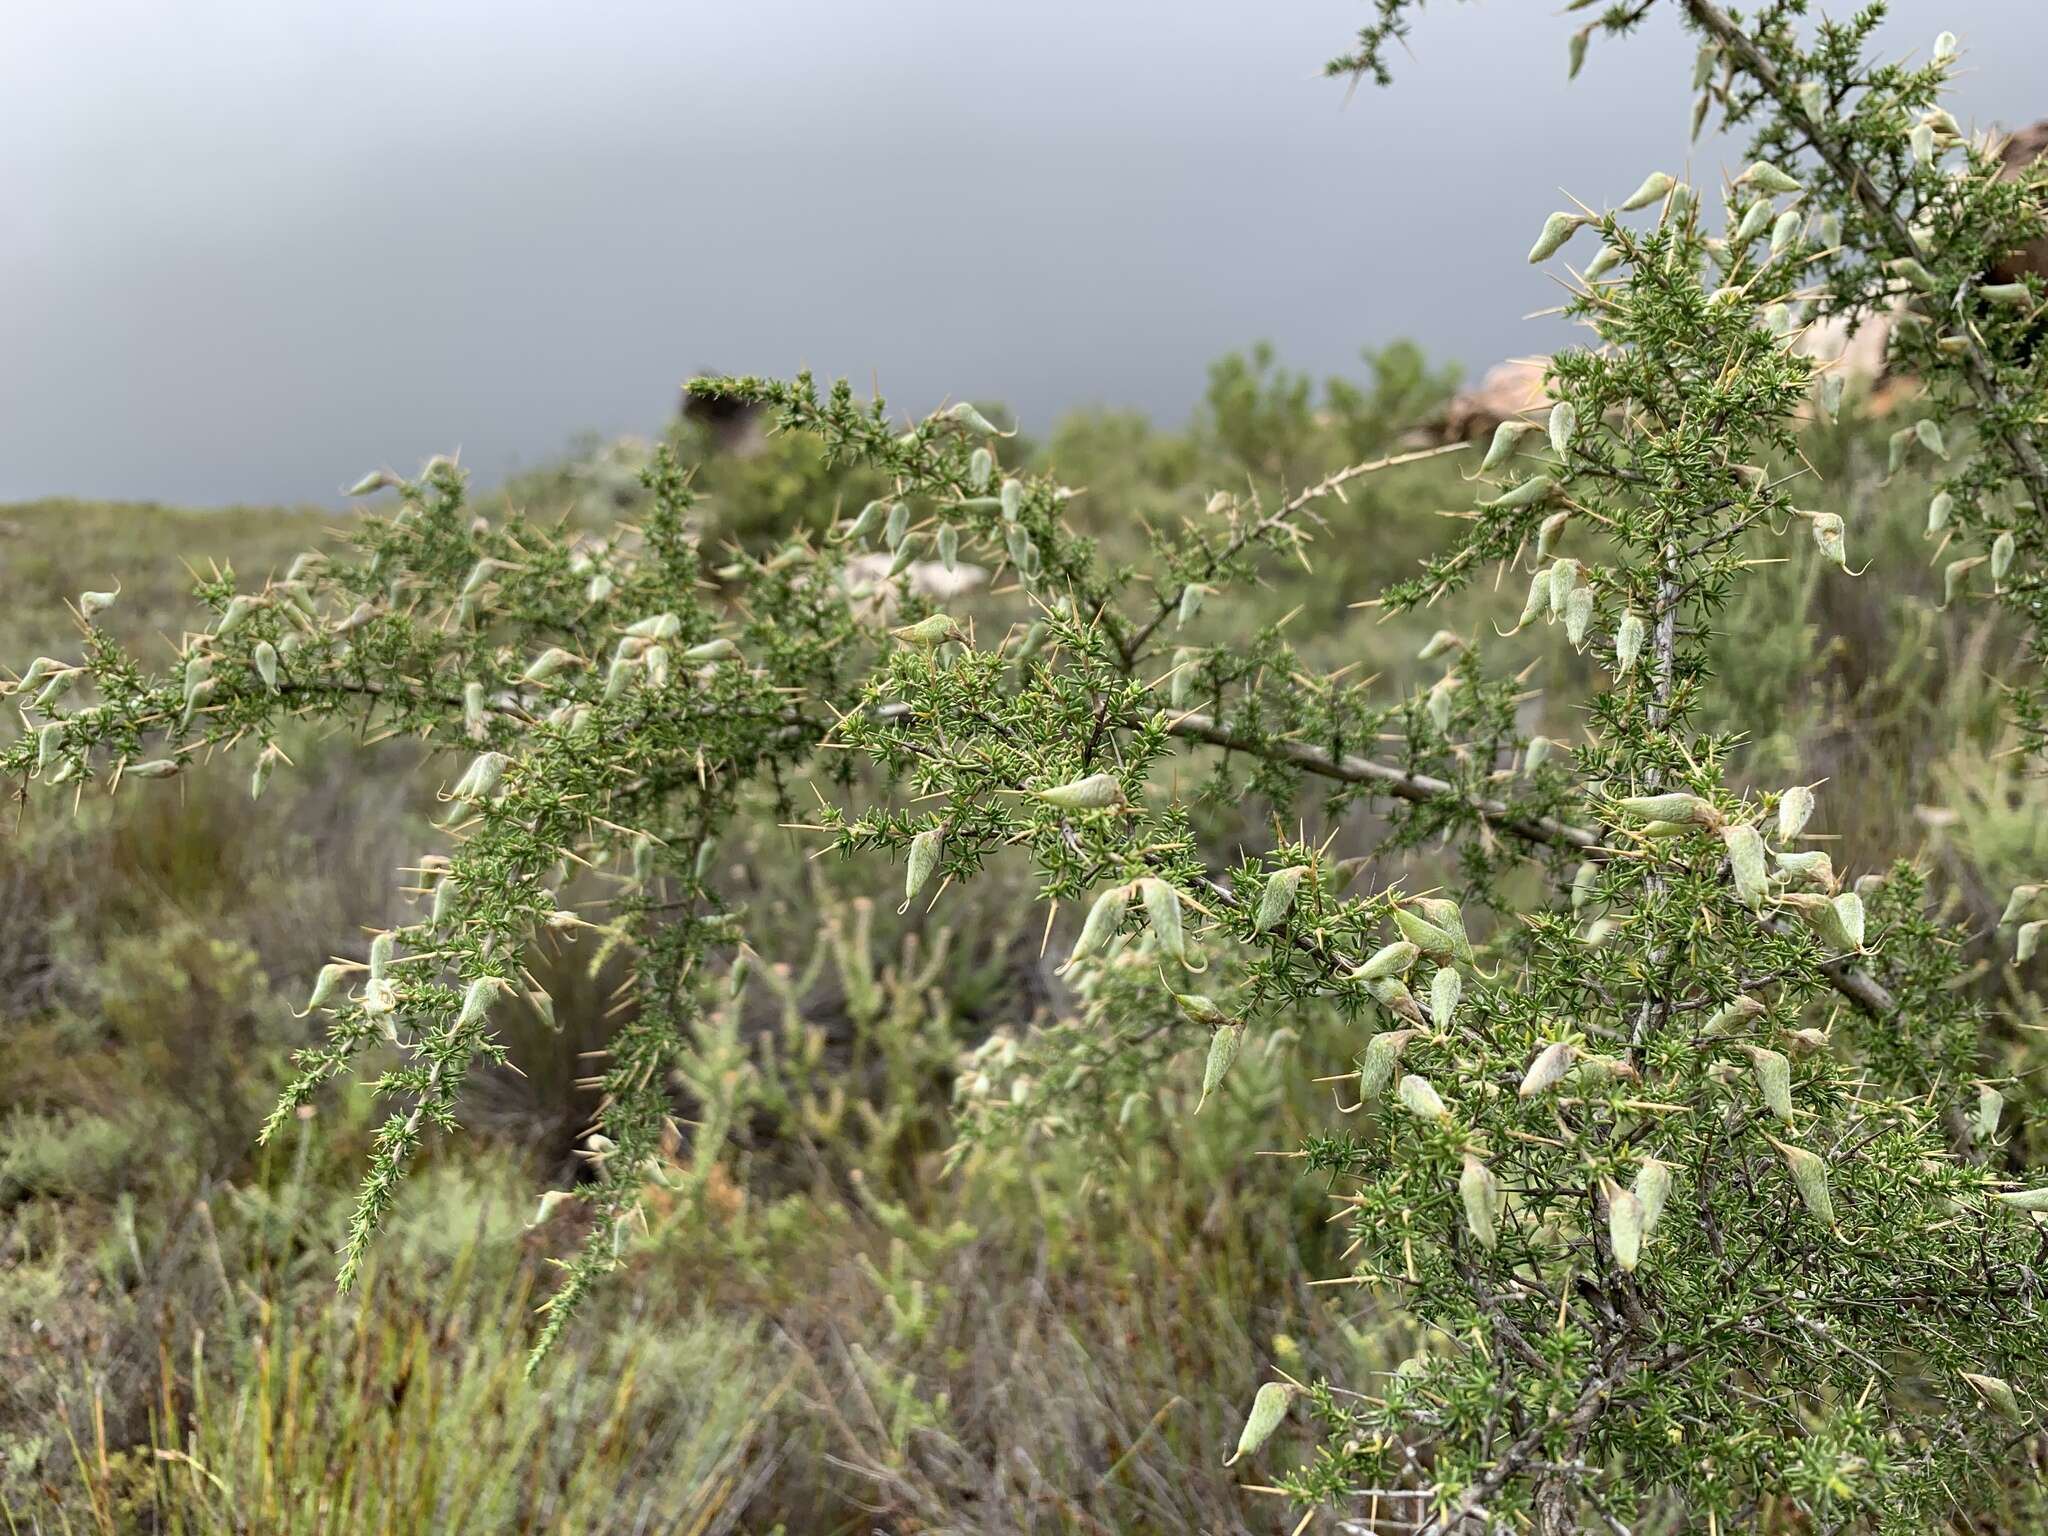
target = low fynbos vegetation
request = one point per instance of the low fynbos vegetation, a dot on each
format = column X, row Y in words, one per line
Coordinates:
column 1649, row 1107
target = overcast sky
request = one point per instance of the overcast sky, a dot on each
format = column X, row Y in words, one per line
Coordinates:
column 251, row 250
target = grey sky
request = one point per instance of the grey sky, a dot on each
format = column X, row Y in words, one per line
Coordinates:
column 253, row 249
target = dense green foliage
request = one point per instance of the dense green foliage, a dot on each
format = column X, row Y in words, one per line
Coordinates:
column 1669, row 1142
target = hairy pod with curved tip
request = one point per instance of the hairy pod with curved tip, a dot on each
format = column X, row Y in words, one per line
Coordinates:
column 1557, row 229
column 1276, row 898
column 1419, row 1097
column 1479, row 1190
column 1655, row 188
column 1548, row 1069
column 1222, row 1052
column 924, row 858
column 1268, row 1409
column 1162, row 911
column 1098, row 791
column 1391, row 960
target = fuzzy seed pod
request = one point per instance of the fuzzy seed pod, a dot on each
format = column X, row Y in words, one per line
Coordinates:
column 897, row 526
column 1957, row 574
column 2029, row 1200
column 1162, row 911
column 1096, row 792
column 1997, row 1395
column 1795, row 809
column 1268, row 1409
column 1480, row 1192
column 949, row 546
column 1773, row 1081
column 972, row 419
column 657, row 626
column 1182, row 686
column 1652, row 1188
column 1537, row 488
column 259, row 776
column 1785, row 231
column 159, row 768
column 1564, row 581
column 1446, row 988
column 1944, row 49
column 265, row 657
column 1921, row 141
column 1505, row 436
column 1445, row 914
column 1939, row 511
column 1629, row 634
column 1830, row 394
column 1548, row 1069
column 1222, row 1052
column 981, row 468
column 1426, row 936
column 907, row 553
column 1382, row 1058
column 870, row 518
column 1443, row 640
column 1766, row 177
column 1813, row 867
column 2005, row 295
column 1564, row 421
column 1754, row 217
column 1741, row 1011
column 1190, row 603
column 616, row 676
column 1810, row 1178
column 1675, row 806
column 1578, row 615
column 1537, row 755
column 239, row 608
column 1655, row 188
column 720, row 649
column 2002, row 551
column 1547, row 533
column 380, row 998
column 373, row 482
column 2022, row 897
column 1930, row 438
column 326, row 987
column 1438, row 703
column 481, row 779
column 1393, row 960
column 1841, row 922
column 1557, row 229
column 1011, row 500
column 1584, row 880
column 1539, row 599
column 1828, row 535
column 1990, row 1106
column 49, row 739
column 473, row 709
column 547, row 664
column 1392, row 994
column 1604, row 261
column 924, row 858
column 1746, row 860
column 476, row 1001
column 2027, row 941
column 92, row 604
column 1624, row 1225
column 1419, row 1097
column 1276, row 899
column 929, row 632
column 1104, row 919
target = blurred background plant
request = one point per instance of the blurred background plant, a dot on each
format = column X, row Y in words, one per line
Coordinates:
column 842, row 1316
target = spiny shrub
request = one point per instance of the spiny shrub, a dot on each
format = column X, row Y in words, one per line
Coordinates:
column 1665, row 1126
